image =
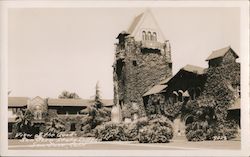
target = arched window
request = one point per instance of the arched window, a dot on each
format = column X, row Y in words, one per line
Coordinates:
column 154, row 36
column 192, row 94
column 143, row 35
column 149, row 35
column 180, row 95
column 175, row 97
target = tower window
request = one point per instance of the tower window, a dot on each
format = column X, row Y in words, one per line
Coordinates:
column 149, row 35
column 143, row 35
column 154, row 36
column 134, row 63
column 170, row 65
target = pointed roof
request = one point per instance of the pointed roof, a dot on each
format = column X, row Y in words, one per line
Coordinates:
column 220, row 53
column 135, row 22
column 145, row 19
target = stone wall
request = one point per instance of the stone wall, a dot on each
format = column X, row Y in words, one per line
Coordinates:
column 141, row 69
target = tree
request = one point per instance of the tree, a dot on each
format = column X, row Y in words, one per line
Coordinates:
column 67, row 95
column 97, row 102
column 24, row 123
column 53, row 127
column 96, row 114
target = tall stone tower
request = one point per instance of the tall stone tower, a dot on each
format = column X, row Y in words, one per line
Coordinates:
column 142, row 59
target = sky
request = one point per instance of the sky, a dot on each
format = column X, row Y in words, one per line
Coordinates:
column 57, row 49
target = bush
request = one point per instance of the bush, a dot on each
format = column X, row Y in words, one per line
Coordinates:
column 195, row 132
column 111, row 132
column 158, row 130
column 155, row 130
column 200, row 131
column 230, row 130
column 54, row 127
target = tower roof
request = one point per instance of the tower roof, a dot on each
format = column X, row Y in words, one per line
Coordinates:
column 220, row 53
column 145, row 21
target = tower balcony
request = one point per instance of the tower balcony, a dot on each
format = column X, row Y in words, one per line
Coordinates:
column 149, row 44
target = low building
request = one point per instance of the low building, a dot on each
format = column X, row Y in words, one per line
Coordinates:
column 44, row 109
column 16, row 104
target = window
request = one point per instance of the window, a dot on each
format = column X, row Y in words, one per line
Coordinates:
column 134, row 63
column 180, row 97
column 10, row 127
column 154, row 36
column 170, row 65
column 149, row 35
column 175, row 96
column 192, row 94
column 73, row 127
column 38, row 112
column 143, row 35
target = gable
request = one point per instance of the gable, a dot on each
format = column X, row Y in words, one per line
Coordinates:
column 221, row 53
column 145, row 22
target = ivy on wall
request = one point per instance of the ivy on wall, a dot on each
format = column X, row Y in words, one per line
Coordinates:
column 211, row 108
column 157, row 105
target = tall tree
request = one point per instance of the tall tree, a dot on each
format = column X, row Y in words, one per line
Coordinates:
column 97, row 102
column 96, row 113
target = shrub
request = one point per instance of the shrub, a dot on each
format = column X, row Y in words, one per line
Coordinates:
column 131, row 131
column 158, row 130
column 230, row 130
column 54, row 127
column 195, row 132
column 94, row 117
column 111, row 132
column 200, row 131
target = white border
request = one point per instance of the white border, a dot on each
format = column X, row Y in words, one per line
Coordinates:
column 244, row 49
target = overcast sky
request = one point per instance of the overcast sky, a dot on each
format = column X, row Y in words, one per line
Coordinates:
column 51, row 50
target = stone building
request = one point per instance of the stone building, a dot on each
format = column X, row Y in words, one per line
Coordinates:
column 188, row 84
column 142, row 59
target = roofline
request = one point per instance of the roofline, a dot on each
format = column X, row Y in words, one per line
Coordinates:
column 237, row 56
column 146, row 12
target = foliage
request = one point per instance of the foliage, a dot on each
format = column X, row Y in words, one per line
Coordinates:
column 96, row 114
column 159, row 130
column 111, row 132
column 201, row 130
column 132, row 129
column 158, row 105
column 54, row 127
column 98, row 102
column 24, row 123
column 126, row 112
column 211, row 107
column 94, row 117
column 68, row 95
